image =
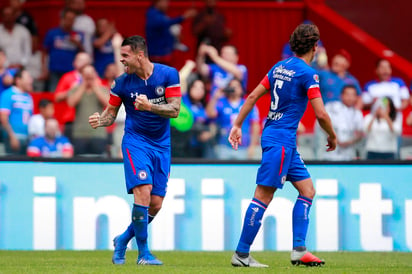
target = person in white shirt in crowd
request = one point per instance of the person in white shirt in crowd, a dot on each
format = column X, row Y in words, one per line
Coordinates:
column 36, row 122
column 382, row 126
column 386, row 86
column 15, row 40
column 347, row 122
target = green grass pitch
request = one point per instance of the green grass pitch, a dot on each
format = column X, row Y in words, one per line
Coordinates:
column 198, row 262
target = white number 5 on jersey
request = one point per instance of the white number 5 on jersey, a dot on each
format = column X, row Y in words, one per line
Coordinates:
column 274, row 104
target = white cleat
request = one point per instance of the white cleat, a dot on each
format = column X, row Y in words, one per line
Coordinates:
column 246, row 262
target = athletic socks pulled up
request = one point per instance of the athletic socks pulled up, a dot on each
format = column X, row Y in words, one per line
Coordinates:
column 251, row 225
column 300, row 221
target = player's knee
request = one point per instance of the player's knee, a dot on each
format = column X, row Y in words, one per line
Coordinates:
column 154, row 209
column 309, row 193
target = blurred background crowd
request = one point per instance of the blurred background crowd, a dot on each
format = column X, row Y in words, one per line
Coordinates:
column 49, row 87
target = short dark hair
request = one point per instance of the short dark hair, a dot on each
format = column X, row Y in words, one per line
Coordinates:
column 349, row 86
column 136, row 43
column 65, row 11
column 18, row 75
column 380, row 60
column 44, row 103
column 303, row 38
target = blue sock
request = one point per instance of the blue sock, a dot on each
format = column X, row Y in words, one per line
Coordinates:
column 126, row 236
column 151, row 217
column 140, row 221
column 251, row 225
column 300, row 220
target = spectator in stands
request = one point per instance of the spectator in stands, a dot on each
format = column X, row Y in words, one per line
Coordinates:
column 112, row 71
column 16, row 107
column 347, row 122
column 86, row 97
column 386, row 86
column 64, row 113
column 83, row 23
column 24, row 18
column 61, row 45
column 195, row 139
column 383, row 126
column 36, row 122
column 209, row 26
column 160, row 40
column 51, row 144
column 6, row 74
column 102, row 45
column 15, row 40
column 334, row 79
column 224, row 69
column 224, row 106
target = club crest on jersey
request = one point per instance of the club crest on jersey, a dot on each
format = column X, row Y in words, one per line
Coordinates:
column 113, row 85
column 160, row 90
column 316, row 78
column 142, row 175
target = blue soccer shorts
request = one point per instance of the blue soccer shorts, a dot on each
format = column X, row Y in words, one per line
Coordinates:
column 146, row 165
column 280, row 164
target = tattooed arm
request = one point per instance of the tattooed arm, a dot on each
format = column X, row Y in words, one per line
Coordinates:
column 105, row 119
column 169, row 110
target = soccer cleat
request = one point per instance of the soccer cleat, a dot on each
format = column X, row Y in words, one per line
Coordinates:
column 148, row 259
column 119, row 252
column 305, row 258
column 246, row 262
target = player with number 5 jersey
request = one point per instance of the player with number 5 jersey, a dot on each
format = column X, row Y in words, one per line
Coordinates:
column 291, row 83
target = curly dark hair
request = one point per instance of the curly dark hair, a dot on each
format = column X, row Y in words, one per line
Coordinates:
column 303, row 38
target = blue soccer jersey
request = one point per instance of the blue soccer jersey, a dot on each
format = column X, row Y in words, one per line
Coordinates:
column 19, row 106
column 146, row 126
column 291, row 83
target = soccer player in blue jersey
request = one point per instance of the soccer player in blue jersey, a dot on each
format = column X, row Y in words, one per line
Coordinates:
column 150, row 93
column 291, row 83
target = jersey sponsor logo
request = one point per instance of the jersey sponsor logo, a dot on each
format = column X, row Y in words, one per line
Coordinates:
column 158, row 101
column 142, row 175
column 160, row 91
column 282, row 73
column 316, row 78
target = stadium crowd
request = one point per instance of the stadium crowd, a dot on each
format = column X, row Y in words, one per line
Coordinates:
column 78, row 60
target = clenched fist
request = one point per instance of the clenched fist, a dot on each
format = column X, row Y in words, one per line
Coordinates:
column 94, row 120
